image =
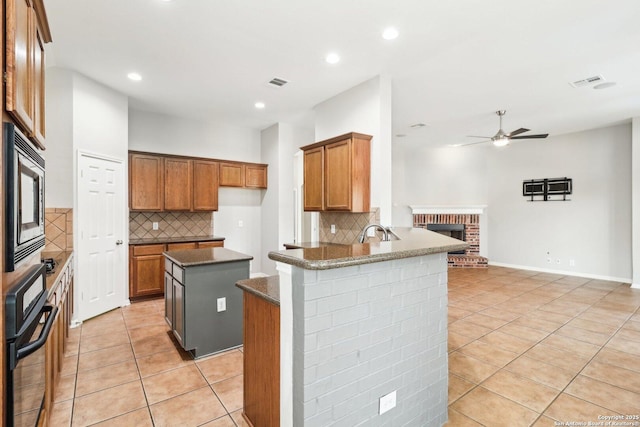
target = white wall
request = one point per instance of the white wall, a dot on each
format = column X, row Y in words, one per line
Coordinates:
column 593, row 229
column 59, row 153
column 238, row 218
column 635, row 209
column 365, row 108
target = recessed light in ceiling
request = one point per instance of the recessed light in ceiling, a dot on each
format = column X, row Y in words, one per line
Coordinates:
column 390, row 33
column 332, row 58
column 259, row 105
column 134, row 76
column 605, row 85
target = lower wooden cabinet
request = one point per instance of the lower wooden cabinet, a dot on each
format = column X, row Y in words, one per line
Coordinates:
column 146, row 266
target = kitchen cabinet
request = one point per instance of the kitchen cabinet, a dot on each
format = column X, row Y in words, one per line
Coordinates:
column 146, row 182
column 231, row 175
column 146, row 270
column 206, row 306
column 178, row 184
column 205, row 185
column 60, row 296
column 337, row 174
column 245, row 175
column 168, row 298
column 147, row 276
column 314, row 179
column 27, row 31
column 255, row 176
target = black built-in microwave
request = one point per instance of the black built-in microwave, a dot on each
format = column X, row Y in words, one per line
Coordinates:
column 24, row 197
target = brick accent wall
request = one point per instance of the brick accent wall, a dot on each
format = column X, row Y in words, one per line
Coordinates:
column 362, row 332
column 471, row 257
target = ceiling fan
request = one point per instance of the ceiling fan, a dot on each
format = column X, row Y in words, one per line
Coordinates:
column 501, row 138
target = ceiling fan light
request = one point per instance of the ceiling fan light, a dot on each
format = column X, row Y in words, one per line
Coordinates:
column 501, row 142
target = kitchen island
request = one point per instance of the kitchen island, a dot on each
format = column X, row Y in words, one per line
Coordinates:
column 363, row 322
column 202, row 304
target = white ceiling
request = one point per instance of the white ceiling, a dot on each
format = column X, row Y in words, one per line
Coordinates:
column 452, row 66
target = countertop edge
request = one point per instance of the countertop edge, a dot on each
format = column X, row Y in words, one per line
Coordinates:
column 258, row 286
column 364, row 259
column 237, row 256
column 166, row 240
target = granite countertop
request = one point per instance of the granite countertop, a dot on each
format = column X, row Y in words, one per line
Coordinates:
column 413, row 242
column 309, row 245
column 267, row 288
column 180, row 239
column 192, row 257
column 61, row 258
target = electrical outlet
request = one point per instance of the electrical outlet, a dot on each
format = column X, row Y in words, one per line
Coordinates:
column 240, row 223
column 387, row 402
column 222, row 304
column 333, row 229
column 154, row 225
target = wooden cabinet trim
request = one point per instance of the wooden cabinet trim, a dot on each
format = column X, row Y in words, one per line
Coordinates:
column 350, row 135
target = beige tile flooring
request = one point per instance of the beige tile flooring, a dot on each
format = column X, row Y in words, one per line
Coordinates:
column 525, row 348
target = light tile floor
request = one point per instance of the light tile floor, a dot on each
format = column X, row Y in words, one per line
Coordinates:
column 525, row 348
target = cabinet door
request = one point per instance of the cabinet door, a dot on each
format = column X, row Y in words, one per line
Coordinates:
column 178, row 184
column 314, row 179
column 168, row 299
column 181, row 246
column 212, row 244
column 147, row 275
column 146, row 182
column 255, row 176
column 205, row 185
column 231, row 175
column 38, row 87
column 337, row 173
column 19, row 57
column 178, row 312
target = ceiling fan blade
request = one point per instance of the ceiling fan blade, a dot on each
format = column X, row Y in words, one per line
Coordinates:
column 476, row 136
column 518, row 132
column 473, row 143
column 541, row 135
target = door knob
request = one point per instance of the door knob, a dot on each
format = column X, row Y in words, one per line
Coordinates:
column 118, row 242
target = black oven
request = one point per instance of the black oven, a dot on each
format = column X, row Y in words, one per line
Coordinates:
column 28, row 320
column 24, row 197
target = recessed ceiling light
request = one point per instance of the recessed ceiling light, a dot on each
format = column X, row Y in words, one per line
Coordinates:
column 605, row 85
column 390, row 33
column 135, row 77
column 259, row 105
column 332, row 58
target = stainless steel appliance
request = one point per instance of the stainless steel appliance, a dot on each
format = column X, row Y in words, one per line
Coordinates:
column 28, row 320
column 24, row 197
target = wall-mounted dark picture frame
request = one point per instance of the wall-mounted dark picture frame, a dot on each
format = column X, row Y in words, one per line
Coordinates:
column 543, row 190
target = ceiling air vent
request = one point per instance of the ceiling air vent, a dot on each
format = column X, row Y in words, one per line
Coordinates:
column 278, row 82
column 418, row 125
column 587, row 81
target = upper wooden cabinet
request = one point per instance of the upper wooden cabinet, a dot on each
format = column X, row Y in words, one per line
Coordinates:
column 26, row 32
column 205, row 185
column 146, row 182
column 178, row 184
column 246, row 175
column 337, row 174
column 231, row 175
column 314, row 179
column 255, row 176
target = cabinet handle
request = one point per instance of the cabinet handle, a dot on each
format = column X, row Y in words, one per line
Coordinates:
column 118, row 242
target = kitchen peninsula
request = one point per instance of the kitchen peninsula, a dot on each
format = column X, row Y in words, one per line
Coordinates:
column 361, row 322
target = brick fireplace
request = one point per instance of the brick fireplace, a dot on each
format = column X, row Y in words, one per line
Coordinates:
column 471, row 258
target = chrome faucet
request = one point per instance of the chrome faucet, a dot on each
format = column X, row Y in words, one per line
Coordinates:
column 363, row 236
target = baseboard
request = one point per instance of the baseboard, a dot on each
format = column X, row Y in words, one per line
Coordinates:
column 635, row 285
column 564, row 273
column 126, row 303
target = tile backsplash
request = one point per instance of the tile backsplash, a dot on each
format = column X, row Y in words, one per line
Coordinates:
column 58, row 229
column 348, row 225
column 170, row 224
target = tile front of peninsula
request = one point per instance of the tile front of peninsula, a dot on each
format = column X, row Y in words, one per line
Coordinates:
column 362, row 321
column 202, row 304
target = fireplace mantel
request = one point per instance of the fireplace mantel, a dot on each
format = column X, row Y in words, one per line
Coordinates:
column 448, row 209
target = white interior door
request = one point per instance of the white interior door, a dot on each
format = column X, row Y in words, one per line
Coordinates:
column 101, row 253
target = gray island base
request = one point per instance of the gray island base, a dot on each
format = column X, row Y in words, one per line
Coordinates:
column 203, row 306
column 362, row 326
